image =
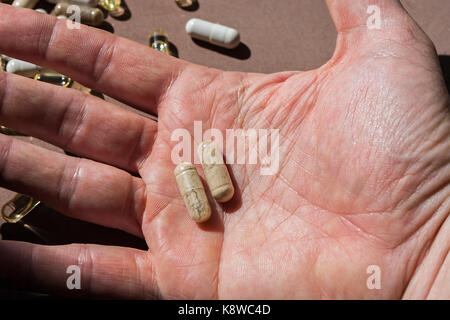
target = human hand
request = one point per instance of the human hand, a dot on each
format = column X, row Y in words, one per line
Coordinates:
column 364, row 176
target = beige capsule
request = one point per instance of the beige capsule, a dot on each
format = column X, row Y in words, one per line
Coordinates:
column 90, row 3
column 88, row 15
column 194, row 195
column 216, row 172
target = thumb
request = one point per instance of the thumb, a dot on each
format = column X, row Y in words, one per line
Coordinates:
column 363, row 24
column 349, row 15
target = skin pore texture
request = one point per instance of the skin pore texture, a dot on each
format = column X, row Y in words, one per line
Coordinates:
column 363, row 180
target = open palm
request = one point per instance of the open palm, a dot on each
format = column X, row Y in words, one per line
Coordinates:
column 363, row 177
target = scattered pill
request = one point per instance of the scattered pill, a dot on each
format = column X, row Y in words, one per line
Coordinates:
column 159, row 41
column 186, row 3
column 2, row 63
column 90, row 3
column 22, row 68
column 114, row 7
column 40, row 10
column 25, row 3
column 216, row 172
column 192, row 191
column 78, row 86
column 18, row 207
column 90, row 16
column 9, row 132
column 54, row 78
column 214, row 33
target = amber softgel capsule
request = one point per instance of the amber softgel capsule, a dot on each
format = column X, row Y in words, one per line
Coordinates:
column 54, row 78
column 186, row 4
column 2, row 63
column 216, row 172
column 160, row 41
column 114, row 7
column 25, row 3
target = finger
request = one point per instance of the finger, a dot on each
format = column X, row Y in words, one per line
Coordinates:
column 120, row 68
column 77, row 187
column 103, row 272
column 76, row 122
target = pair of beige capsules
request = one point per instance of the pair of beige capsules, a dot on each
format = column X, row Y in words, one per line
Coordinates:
column 217, row 178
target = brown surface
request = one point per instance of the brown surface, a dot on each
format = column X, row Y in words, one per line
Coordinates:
column 277, row 35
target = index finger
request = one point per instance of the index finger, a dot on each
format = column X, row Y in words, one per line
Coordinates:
column 125, row 70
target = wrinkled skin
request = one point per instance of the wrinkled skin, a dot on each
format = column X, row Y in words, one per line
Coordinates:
column 364, row 175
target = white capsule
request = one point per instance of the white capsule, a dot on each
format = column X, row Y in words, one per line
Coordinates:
column 40, row 10
column 90, row 3
column 214, row 33
column 25, row 3
column 22, row 68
